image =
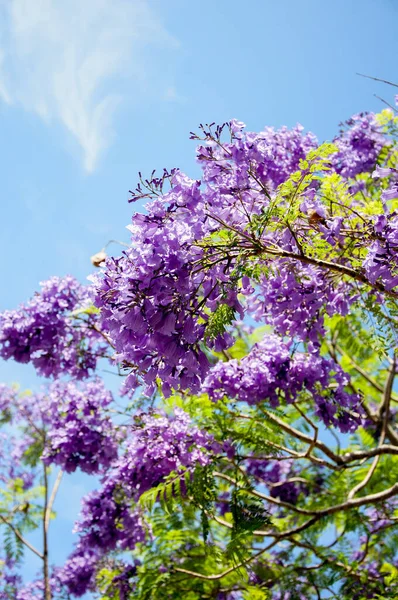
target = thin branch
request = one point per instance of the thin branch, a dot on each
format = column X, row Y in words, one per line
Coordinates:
column 366, row 479
column 360, row 454
column 384, row 407
column 311, row 424
column 51, row 500
column 19, row 535
column 303, row 437
column 337, row 268
column 278, row 537
column 356, row 502
column 378, row 79
column 385, row 102
column 46, row 577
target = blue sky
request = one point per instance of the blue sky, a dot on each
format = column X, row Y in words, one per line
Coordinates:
column 93, row 91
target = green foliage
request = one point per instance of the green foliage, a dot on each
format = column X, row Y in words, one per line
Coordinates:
column 13, row 547
column 218, row 321
column 248, row 512
column 254, row 593
column 201, row 489
column 85, row 310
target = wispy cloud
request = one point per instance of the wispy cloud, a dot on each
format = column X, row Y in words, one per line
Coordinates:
column 171, row 95
column 64, row 60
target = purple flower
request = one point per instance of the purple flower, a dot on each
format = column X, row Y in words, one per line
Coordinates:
column 43, row 331
column 269, row 373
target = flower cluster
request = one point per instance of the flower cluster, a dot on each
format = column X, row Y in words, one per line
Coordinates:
column 149, row 300
column 295, row 298
column 78, row 432
column 107, row 520
column 271, row 373
column 158, row 446
column 80, row 435
column 78, row 573
column 44, row 333
column 273, row 153
column 157, row 299
column 360, row 143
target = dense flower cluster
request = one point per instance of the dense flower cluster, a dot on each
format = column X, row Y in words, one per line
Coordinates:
column 155, row 300
column 42, row 331
column 152, row 300
column 293, row 301
column 78, row 432
column 80, row 435
column 270, row 373
column 148, row 299
column 160, row 445
column 274, row 153
column 360, row 143
column 108, row 521
column 78, row 572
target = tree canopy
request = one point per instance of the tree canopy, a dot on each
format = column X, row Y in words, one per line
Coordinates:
column 253, row 321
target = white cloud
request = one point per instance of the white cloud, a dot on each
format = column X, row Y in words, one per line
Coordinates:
column 171, row 95
column 61, row 59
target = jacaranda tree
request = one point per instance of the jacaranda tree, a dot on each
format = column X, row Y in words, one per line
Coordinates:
column 253, row 319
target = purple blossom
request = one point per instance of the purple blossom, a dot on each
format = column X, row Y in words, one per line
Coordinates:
column 295, row 298
column 43, row 332
column 80, row 435
column 270, row 373
column 109, row 520
column 160, row 445
column 359, row 146
column 78, row 573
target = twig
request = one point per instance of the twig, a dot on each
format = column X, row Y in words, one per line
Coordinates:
column 378, row 79
column 311, row 424
column 19, row 535
column 384, row 407
column 303, row 437
column 52, row 499
column 46, row 577
column 278, row 537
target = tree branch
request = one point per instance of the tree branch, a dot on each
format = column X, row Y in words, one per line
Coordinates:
column 19, row 535
column 385, row 406
column 52, row 500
